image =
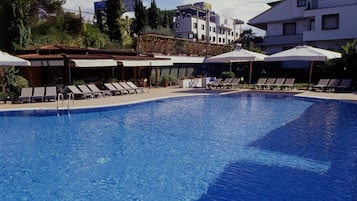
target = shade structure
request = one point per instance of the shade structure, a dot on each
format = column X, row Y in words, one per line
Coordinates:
column 9, row 60
column 304, row 53
column 143, row 63
column 85, row 63
column 238, row 55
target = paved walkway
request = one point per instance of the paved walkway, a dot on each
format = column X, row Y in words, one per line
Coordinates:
column 155, row 94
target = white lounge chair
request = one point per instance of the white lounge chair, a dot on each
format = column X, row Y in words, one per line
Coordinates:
column 321, row 84
column 26, row 94
column 51, row 93
column 260, row 83
column 38, row 93
column 95, row 89
column 137, row 89
column 127, row 87
column 119, row 87
column 85, row 89
column 77, row 93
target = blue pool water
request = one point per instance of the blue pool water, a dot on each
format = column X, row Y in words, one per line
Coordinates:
column 248, row 147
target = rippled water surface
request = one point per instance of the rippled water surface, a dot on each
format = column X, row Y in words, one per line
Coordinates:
column 249, row 147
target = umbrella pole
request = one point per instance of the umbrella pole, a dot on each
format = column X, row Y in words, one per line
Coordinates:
column 3, row 79
column 250, row 71
column 310, row 74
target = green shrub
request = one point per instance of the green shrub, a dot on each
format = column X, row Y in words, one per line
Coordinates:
column 227, row 74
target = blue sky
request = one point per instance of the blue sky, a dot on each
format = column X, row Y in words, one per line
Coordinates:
column 240, row 9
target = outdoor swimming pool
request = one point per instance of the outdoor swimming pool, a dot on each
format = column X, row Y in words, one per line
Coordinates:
column 248, row 147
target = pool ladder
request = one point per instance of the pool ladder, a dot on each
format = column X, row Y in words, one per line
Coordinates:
column 60, row 100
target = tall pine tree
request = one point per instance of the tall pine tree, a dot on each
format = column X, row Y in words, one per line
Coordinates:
column 140, row 16
column 153, row 15
column 114, row 10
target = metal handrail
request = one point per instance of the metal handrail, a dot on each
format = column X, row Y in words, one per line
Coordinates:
column 59, row 98
column 70, row 97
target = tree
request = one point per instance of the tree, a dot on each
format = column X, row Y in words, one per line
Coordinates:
column 153, row 15
column 114, row 10
column 20, row 30
column 100, row 20
column 140, row 16
column 17, row 16
column 166, row 22
column 349, row 55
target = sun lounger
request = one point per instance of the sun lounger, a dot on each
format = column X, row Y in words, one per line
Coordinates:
column 120, row 87
column 344, row 85
column 77, row 93
column 51, row 93
column 289, row 83
column 38, row 93
column 225, row 83
column 332, row 84
column 321, row 84
column 215, row 83
column 113, row 90
column 234, row 83
column 269, row 83
column 85, row 89
column 278, row 83
column 127, row 87
column 26, row 94
column 137, row 89
column 95, row 89
column 260, row 83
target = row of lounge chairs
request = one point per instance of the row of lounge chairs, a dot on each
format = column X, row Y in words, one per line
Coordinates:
column 32, row 94
column 82, row 91
column 332, row 85
column 116, row 88
column 227, row 83
column 275, row 83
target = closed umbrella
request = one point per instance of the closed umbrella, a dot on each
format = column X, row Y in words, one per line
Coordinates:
column 9, row 60
column 304, row 53
column 238, row 55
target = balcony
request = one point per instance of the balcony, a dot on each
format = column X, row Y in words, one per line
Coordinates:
column 283, row 40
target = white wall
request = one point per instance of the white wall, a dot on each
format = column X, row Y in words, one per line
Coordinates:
column 347, row 24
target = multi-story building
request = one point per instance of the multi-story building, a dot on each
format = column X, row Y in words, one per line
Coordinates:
column 198, row 22
column 321, row 23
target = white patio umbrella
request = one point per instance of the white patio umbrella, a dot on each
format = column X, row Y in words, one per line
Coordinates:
column 304, row 53
column 238, row 55
column 9, row 60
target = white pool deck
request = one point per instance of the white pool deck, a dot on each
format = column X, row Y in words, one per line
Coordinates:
column 160, row 93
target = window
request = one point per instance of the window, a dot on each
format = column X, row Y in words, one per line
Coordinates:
column 330, row 21
column 301, row 3
column 289, row 28
column 202, row 37
column 214, row 29
column 190, row 35
column 195, row 25
column 180, row 35
column 202, row 27
column 312, row 25
column 219, row 40
column 214, row 39
column 178, row 25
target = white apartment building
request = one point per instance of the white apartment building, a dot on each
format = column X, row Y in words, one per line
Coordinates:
column 326, row 24
column 198, row 22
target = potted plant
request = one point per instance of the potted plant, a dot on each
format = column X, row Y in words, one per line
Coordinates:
column 164, row 81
